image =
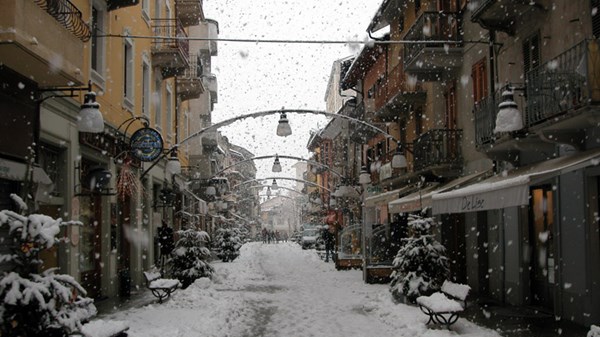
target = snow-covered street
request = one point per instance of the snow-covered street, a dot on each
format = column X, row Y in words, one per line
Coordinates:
column 282, row 290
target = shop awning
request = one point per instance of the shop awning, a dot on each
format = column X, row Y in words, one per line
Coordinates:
column 13, row 170
column 509, row 189
column 386, row 197
column 422, row 199
column 412, row 202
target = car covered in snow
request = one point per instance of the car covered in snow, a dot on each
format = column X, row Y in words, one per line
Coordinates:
column 309, row 238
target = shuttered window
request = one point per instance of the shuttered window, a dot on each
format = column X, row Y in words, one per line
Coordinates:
column 596, row 18
column 531, row 53
column 479, row 76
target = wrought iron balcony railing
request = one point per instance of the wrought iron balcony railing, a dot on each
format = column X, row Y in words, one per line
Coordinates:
column 438, row 147
column 564, row 84
column 68, row 16
column 170, row 35
column 431, row 26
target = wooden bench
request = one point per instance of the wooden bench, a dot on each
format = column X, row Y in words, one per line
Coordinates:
column 101, row 328
column 160, row 287
column 443, row 307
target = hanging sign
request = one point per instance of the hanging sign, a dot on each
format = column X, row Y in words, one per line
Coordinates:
column 146, row 144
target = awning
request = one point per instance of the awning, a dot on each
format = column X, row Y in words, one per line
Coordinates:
column 509, row 189
column 412, row 202
column 333, row 128
column 13, row 170
column 386, row 197
column 422, row 199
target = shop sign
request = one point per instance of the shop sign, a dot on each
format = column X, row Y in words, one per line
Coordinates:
column 146, row 144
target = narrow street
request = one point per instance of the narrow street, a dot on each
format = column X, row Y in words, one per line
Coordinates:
column 282, row 290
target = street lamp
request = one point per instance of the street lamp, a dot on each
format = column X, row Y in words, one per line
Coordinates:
column 364, row 177
column 274, row 185
column 174, row 165
column 399, row 160
column 509, row 117
column 283, row 128
column 90, row 118
column 276, row 164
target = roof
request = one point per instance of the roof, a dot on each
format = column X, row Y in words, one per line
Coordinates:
column 362, row 63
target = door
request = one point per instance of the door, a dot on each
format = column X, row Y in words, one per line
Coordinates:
column 542, row 261
column 91, row 236
column 453, row 238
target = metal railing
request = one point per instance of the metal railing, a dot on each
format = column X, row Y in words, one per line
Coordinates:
column 430, row 26
column 563, row 84
column 68, row 16
column 195, row 68
column 485, row 113
column 438, row 147
column 170, row 35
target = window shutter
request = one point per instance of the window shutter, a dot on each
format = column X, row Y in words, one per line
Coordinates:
column 596, row 18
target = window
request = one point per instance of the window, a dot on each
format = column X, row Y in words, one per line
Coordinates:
column 157, row 100
column 157, row 9
column 128, row 63
column 418, row 121
column 479, row 75
column 417, row 7
column 145, row 87
column 596, row 18
column 169, row 112
column 50, row 159
column 531, row 53
column 146, row 9
column 97, row 60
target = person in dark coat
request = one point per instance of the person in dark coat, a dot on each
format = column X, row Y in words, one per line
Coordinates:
column 165, row 242
column 328, row 239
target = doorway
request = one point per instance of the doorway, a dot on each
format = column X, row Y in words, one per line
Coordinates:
column 91, row 249
column 542, row 263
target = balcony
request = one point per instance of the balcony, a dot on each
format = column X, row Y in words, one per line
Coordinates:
column 189, row 12
column 210, row 82
column 563, row 94
column 397, row 96
column 433, row 58
column 502, row 14
column 560, row 100
column 209, row 29
column 439, row 151
column 170, row 50
column 29, row 35
column 189, row 85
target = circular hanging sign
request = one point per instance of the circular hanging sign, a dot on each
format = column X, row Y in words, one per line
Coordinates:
column 146, row 144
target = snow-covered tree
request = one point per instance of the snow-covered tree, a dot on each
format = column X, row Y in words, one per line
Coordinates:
column 228, row 242
column 33, row 303
column 190, row 257
column 420, row 267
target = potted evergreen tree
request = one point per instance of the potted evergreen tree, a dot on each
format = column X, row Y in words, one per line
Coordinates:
column 34, row 303
column 190, row 257
column 420, row 266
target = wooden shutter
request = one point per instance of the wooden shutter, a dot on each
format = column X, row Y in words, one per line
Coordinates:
column 596, row 18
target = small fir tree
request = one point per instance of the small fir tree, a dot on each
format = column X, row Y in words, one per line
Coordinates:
column 32, row 303
column 228, row 242
column 190, row 257
column 420, row 267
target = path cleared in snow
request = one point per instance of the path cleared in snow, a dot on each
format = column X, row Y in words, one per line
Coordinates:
column 282, row 290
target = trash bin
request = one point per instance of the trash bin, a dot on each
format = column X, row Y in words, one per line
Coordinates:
column 124, row 283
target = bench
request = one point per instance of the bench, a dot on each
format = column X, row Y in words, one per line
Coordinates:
column 101, row 328
column 443, row 307
column 160, row 287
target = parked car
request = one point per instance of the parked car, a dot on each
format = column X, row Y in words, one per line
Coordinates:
column 309, row 238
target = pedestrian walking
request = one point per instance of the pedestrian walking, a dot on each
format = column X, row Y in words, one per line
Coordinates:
column 265, row 233
column 328, row 239
column 165, row 243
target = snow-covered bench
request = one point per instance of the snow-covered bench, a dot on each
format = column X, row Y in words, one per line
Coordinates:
column 443, row 307
column 160, row 287
column 101, row 328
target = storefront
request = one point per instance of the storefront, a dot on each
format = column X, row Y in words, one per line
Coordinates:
column 532, row 235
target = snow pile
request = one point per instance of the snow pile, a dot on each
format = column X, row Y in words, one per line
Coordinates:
column 594, row 331
column 101, row 328
column 438, row 302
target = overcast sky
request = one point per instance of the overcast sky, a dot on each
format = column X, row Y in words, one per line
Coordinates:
column 255, row 77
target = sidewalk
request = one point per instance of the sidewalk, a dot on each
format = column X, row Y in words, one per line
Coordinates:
column 521, row 321
column 137, row 299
